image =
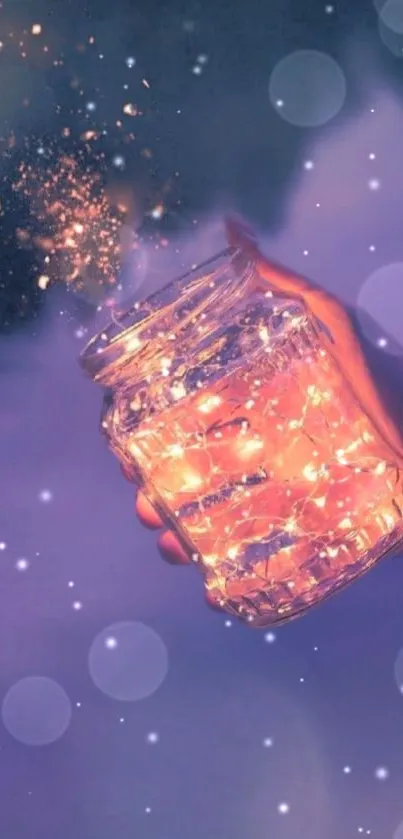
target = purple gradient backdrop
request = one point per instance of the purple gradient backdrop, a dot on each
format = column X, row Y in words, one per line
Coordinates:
column 227, row 688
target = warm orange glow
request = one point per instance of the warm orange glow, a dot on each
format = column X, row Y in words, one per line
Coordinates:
column 261, row 441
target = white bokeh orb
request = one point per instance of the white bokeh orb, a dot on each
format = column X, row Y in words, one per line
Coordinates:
column 307, row 88
column 391, row 14
column 380, row 308
column 392, row 40
column 399, row 671
column 398, row 834
column 36, row 711
column 128, row 661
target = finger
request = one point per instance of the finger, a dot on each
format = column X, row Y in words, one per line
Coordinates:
column 171, row 549
column 146, row 513
column 212, row 603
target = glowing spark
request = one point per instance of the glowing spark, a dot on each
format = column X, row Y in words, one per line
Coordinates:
column 130, row 110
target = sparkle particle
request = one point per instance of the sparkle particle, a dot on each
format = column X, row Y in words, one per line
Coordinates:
column 45, row 496
column 22, row 564
column 381, row 773
column 111, row 643
column 118, row 161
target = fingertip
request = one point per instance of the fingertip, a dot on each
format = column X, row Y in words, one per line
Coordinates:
column 212, row 603
column 146, row 513
column 171, row 549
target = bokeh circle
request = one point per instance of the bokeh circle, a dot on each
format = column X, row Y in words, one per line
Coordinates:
column 393, row 41
column 391, row 14
column 128, row 661
column 399, row 670
column 398, row 834
column 36, row 711
column 380, row 308
column 307, row 88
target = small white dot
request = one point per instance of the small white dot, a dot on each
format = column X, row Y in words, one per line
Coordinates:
column 228, row 624
column 374, row 184
column 197, row 70
column 347, row 770
column 302, row 679
column 283, row 808
column 280, row 103
column 78, row 704
column 122, row 719
column 381, row 773
column 372, row 156
column 22, row 564
column 148, row 810
column 45, row 496
column 372, row 248
column 130, row 61
column 2, row 546
column 316, row 649
column 153, row 737
column 309, row 164
column 382, row 343
column 270, row 637
column 77, row 605
column 329, row 10
column 91, row 106
column 306, row 253
column 70, row 584
column 111, row 643
column 268, row 742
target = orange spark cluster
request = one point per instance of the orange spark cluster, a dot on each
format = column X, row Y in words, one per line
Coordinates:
column 79, row 228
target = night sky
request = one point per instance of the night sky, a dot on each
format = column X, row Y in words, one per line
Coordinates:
column 129, row 710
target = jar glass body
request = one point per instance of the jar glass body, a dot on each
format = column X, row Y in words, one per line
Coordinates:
column 224, row 405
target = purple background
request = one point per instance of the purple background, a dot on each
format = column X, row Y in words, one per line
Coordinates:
column 324, row 690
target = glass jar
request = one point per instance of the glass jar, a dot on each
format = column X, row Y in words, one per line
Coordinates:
column 227, row 402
